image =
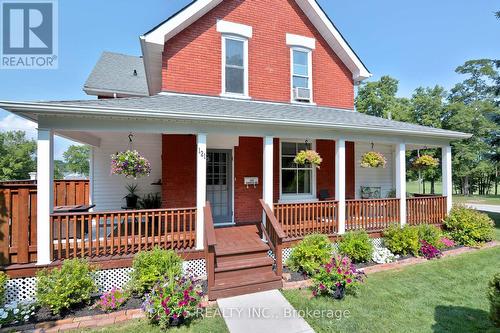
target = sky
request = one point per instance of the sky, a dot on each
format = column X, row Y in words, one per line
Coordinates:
column 420, row 43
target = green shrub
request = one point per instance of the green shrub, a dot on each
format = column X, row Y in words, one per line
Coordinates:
column 3, row 283
column 312, row 252
column 468, row 226
column 402, row 240
column 152, row 266
column 431, row 234
column 357, row 246
column 494, row 296
column 60, row 288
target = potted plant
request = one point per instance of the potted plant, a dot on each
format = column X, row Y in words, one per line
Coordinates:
column 132, row 197
column 425, row 162
column 308, row 157
column 130, row 163
column 373, row 159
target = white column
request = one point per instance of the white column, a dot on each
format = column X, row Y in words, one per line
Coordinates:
column 446, row 175
column 45, row 193
column 91, row 176
column 201, row 186
column 340, row 181
column 400, row 170
column 267, row 173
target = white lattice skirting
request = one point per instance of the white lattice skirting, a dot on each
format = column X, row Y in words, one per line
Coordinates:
column 25, row 288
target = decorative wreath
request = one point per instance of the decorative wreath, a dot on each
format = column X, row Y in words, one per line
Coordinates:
column 308, row 156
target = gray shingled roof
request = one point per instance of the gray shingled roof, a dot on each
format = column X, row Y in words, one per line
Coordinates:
column 114, row 73
column 182, row 106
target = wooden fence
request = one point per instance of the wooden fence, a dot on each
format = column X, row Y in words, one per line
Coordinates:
column 300, row 219
column 87, row 235
column 18, row 208
column 425, row 210
column 371, row 214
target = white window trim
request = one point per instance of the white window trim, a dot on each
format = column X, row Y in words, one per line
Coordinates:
column 297, row 197
column 245, row 65
column 301, row 41
column 226, row 27
column 310, row 81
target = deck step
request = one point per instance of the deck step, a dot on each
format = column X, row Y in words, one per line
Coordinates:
column 243, row 264
column 245, row 280
column 225, row 251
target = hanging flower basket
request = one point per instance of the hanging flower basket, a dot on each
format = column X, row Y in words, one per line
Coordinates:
column 425, row 161
column 130, row 163
column 373, row 159
column 308, row 157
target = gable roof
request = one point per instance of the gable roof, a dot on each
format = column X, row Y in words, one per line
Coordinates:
column 152, row 42
column 114, row 75
column 184, row 107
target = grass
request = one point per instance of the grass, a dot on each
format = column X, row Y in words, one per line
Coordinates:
column 496, row 218
column 446, row 295
column 412, row 187
column 478, row 199
column 214, row 324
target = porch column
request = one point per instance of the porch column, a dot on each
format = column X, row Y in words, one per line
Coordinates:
column 267, row 173
column 400, row 170
column 340, row 182
column 45, row 193
column 446, row 175
column 201, row 186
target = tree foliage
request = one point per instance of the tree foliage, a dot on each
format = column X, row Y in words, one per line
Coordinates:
column 17, row 155
column 76, row 159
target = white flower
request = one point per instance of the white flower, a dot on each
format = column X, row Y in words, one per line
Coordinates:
column 16, row 311
column 382, row 255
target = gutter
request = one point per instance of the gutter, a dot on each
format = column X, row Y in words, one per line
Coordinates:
column 105, row 111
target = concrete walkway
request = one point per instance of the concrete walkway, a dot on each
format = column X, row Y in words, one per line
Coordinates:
column 264, row 312
column 484, row 208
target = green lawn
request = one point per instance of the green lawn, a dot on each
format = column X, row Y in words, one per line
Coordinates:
column 202, row 325
column 478, row 199
column 412, row 187
column 446, row 295
column 496, row 218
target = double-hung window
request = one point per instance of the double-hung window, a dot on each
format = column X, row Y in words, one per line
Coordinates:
column 301, row 74
column 296, row 180
column 235, row 63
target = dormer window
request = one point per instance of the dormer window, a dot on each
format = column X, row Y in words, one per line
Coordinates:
column 234, row 58
column 301, row 67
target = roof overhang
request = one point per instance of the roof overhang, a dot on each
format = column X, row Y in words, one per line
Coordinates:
column 31, row 111
column 152, row 42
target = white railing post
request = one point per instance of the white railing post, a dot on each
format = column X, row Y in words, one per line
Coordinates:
column 201, row 186
column 447, row 177
column 340, row 182
column 400, row 170
column 45, row 193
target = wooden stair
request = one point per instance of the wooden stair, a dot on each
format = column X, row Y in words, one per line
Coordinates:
column 242, row 264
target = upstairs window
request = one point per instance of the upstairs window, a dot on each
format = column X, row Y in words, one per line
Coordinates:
column 301, row 75
column 235, row 66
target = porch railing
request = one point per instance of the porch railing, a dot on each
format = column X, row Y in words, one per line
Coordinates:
column 301, row 219
column 425, row 210
column 18, row 215
column 275, row 235
column 121, row 233
column 371, row 214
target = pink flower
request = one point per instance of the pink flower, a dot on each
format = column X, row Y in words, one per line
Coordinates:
column 349, row 280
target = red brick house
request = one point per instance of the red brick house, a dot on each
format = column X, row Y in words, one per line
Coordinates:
column 221, row 101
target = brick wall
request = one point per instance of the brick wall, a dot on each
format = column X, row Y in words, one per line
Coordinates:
column 192, row 59
column 248, row 163
column 178, row 171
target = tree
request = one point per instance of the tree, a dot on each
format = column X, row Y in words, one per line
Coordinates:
column 59, row 169
column 378, row 98
column 17, row 155
column 497, row 14
column 482, row 74
column 428, row 106
column 76, row 159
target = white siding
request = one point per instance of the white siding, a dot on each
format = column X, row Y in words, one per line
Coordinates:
column 109, row 189
column 374, row 177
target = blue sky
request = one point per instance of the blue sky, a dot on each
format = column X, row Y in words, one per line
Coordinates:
column 418, row 42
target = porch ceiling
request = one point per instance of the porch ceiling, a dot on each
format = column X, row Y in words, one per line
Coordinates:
column 224, row 110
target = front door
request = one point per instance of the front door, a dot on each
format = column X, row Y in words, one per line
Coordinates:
column 219, row 185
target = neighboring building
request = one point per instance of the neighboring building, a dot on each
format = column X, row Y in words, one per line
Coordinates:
column 224, row 96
